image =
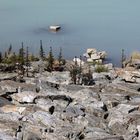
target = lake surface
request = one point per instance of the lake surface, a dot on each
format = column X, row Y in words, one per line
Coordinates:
column 110, row 25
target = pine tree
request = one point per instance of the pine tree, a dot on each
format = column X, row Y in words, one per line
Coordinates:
column 80, row 67
column 123, row 58
column 50, row 60
column 75, row 60
column 73, row 73
column 42, row 53
column 0, row 57
column 27, row 60
column 21, row 54
column 10, row 49
column 76, row 71
column 27, row 56
column 21, row 58
column 60, row 57
column 61, row 60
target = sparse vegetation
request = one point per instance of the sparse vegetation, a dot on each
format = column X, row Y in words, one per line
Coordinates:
column 95, row 63
column 32, row 57
column 75, row 72
column 24, row 58
column 101, row 68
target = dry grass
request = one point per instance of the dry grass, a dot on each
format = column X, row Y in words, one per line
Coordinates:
column 135, row 55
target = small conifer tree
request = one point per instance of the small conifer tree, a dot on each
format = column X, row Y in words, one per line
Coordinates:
column 42, row 53
column 27, row 60
column 21, row 58
column 21, row 54
column 60, row 57
column 50, row 60
column 0, row 57
column 123, row 58
column 10, row 49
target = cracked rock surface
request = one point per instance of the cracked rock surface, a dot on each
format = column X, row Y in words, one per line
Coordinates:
column 108, row 110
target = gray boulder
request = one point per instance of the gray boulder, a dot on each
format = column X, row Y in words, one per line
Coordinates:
column 118, row 120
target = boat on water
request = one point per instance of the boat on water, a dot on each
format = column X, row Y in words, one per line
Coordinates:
column 55, row 28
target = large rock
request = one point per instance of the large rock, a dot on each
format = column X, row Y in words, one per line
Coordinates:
column 99, row 105
column 100, row 78
column 30, row 136
column 58, row 78
column 86, row 55
column 7, row 129
column 12, row 108
column 4, row 136
column 45, row 104
column 95, row 107
column 126, row 109
column 24, row 97
column 102, row 54
column 128, row 77
column 95, row 56
column 74, row 111
column 90, row 60
column 118, row 120
column 96, row 133
column 83, row 94
column 12, row 86
column 138, row 128
column 91, row 51
column 10, row 116
column 8, row 76
column 131, row 76
column 117, row 123
column 4, row 102
column 53, row 103
column 44, row 118
column 111, row 99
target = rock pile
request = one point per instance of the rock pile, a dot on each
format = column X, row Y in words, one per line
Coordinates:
column 130, row 75
column 93, row 55
column 108, row 110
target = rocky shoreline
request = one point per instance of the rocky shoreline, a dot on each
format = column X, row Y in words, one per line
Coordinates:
column 48, row 106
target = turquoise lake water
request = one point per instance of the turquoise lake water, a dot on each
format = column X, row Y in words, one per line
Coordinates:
column 109, row 25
